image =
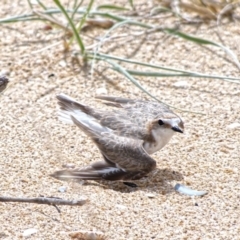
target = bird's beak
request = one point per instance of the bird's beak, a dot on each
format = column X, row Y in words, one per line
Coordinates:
column 177, row 129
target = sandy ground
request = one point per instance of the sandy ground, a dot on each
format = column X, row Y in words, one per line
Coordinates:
column 34, row 143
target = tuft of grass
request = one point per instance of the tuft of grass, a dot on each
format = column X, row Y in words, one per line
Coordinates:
column 75, row 30
column 113, row 13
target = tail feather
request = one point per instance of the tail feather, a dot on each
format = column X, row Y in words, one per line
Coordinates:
column 90, row 126
column 68, row 103
column 66, row 116
column 107, row 173
column 69, row 107
column 66, row 175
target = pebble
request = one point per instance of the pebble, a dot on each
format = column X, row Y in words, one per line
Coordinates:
column 150, row 195
column 181, row 84
column 62, row 63
column 62, row 189
column 233, row 125
column 68, row 165
column 101, row 91
column 121, row 207
column 29, row 232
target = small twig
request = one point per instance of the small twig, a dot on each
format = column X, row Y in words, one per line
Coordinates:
column 59, row 211
column 45, row 200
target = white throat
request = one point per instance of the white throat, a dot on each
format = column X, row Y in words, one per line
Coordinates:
column 162, row 136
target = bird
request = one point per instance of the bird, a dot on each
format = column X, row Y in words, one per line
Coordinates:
column 150, row 121
column 125, row 136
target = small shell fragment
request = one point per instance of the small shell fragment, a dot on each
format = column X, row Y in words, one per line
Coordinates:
column 188, row 191
column 68, row 165
column 181, row 84
column 29, row 232
column 62, row 189
column 101, row 91
column 150, row 195
column 234, row 125
column 121, row 207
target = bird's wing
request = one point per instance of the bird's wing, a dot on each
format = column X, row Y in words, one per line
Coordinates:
column 117, row 120
column 131, row 117
column 112, row 99
column 126, row 153
column 151, row 109
column 69, row 106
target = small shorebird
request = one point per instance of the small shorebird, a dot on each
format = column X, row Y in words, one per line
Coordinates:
column 125, row 136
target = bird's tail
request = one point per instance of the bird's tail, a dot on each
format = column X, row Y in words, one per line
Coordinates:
column 90, row 126
column 70, row 107
column 97, row 171
column 66, row 175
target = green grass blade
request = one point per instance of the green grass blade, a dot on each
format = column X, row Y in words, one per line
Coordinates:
column 30, row 4
column 160, row 74
column 112, row 7
column 120, row 69
column 85, row 15
column 200, row 41
column 42, row 5
column 76, row 7
column 76, row 34
column 131, row 3
column 20, row 18
column 193, row 74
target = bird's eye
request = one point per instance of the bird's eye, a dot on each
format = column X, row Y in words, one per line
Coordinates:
column 160, row 122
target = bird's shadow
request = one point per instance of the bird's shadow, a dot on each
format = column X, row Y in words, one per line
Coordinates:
column 158, row 181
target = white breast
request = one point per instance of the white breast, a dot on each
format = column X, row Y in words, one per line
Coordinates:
column 162, row 137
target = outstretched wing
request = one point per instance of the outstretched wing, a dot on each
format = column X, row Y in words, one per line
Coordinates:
column 150, row 109
column 131, row 117
column 117, row 120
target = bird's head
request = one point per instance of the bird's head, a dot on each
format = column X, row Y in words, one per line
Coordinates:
column 169, row 123
column 161, row 130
